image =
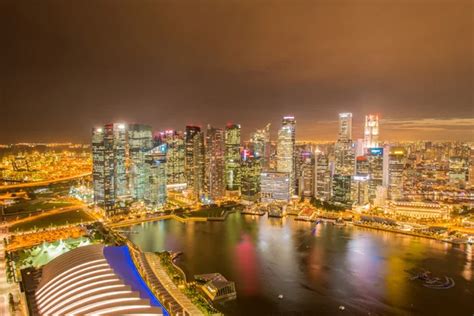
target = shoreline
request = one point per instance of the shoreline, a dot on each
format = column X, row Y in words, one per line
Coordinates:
column 408, row 233
column 223, row 218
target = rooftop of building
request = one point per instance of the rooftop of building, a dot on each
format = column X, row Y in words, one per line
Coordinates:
column 94, row 279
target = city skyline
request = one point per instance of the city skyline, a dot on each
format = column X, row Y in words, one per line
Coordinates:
column 158, row 63
column 236, row 157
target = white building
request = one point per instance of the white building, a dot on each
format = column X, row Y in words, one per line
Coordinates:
column 275, row 187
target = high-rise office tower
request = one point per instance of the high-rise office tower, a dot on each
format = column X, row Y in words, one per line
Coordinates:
column 360, row 190
column 371, row 131
column 341, row 189
column 139, row 143
column 344, row 153
column 322, row 186
column 375, row 160
column 305, row 171
column 275, row 187
column 155, row 172
column 214, row 167
column 194, row 162
column 345, row 127
column 260, row 145
column 250, row 179
column 232, row 159
column 175, row 156
column 109, row 171
column 396, row 167
column 360, row 182
column 98, row 166
column 286, row 149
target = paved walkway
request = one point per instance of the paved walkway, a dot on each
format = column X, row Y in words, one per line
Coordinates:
column 5, row 287
column 163, row 277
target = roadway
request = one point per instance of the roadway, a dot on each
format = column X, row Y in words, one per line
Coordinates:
column 48, row 213
column 43, row 183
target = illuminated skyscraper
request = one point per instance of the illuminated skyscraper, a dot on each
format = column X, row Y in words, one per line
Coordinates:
column 109, row 171
column 323, row 179
column 396, row 167
column 250, row 178
column 305, row 170
column 139, row 142
column 344, row 153
column 371, row 131
column 175, row 156
column 98, row 166
column 345, row 127
column 155, row 171
column 214, row 170
column 344, row 150
column 194, row 162
column 341, row 189
column 260, row 145
column 286, row 149
column 375, row 160
column 360, row 182
column 232, row 159
column 275, row 187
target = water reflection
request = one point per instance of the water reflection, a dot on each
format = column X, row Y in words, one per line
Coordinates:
column 316, row 267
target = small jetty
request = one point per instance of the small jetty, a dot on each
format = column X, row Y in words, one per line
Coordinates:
column 254, row 210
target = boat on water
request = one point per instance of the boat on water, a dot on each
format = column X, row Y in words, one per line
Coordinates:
column 433, row 282
column 440, row 284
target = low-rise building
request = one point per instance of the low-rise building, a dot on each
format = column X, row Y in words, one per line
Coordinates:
column 420, row 210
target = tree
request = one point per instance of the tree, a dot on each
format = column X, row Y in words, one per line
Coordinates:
column 11, row 301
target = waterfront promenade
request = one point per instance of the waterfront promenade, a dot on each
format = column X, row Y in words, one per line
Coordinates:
column 165, row 280
column 155, row 218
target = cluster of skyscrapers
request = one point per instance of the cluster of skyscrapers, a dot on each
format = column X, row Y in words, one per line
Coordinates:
column 132, row 164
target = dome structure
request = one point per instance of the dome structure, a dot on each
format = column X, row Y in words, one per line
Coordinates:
column 96, row 280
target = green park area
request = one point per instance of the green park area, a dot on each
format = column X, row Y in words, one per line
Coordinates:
column 59, row 219
column 208, row 212
column 42, row 254
column 191, row 289
column 214, row 211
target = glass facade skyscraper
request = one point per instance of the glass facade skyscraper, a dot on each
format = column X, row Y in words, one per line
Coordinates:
column 194, row 162
column 260, row 145
column 214, row 169
column 344, row 152
column 109, row 145
column 396, row 167
column 371, row 131
column 139, row 143
column 232, row 158
column 251, row 169
column 175, row 156
column 286, row 149
column 155, row 173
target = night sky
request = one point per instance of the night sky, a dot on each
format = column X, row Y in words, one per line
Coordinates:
column 66, row 66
